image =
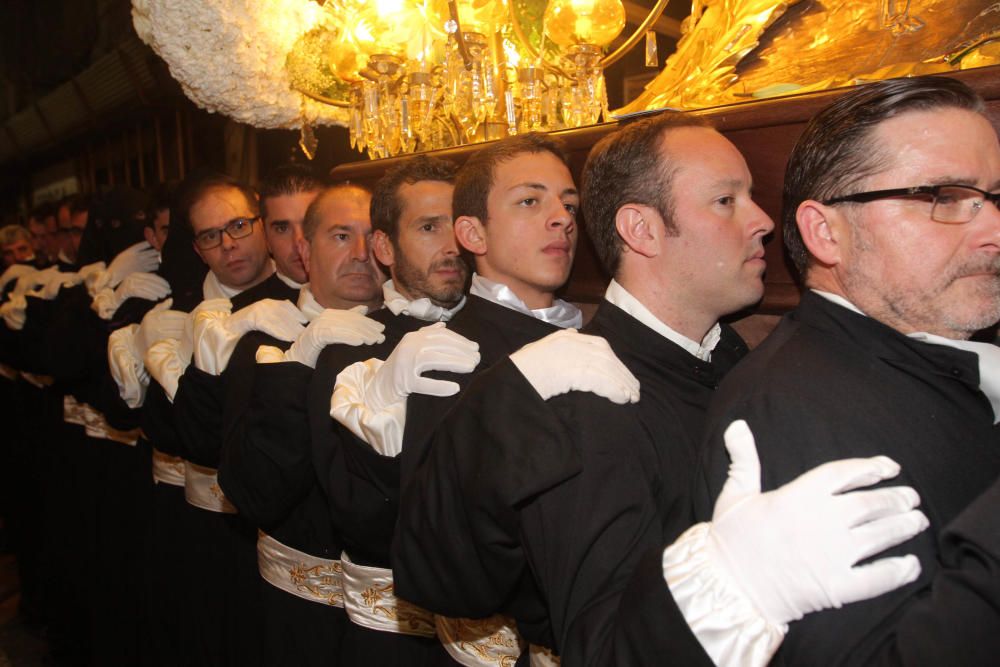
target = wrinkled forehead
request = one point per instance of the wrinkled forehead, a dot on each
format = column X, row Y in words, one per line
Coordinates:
column 937, row 146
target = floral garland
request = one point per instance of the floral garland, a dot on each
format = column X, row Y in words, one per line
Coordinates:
column 229, row 56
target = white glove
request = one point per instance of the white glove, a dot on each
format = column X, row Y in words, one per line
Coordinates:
column 568, row 361
column 13, row 312
column 767, row 559
column 13, row 272
column 127, row 349
column 332, row 326
column 216, row 332
column 167, row 359
column 432, row 348
column 139, row 284
column 158, row 324
column 138, row 257
column 127, row 369
column 166, row 363
column 370, row 396
column 55, row 282
column 92, row 273
column 31, row 281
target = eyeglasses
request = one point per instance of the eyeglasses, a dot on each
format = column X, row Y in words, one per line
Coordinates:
column 237, row 228
column 75, row 231
column 951, row 204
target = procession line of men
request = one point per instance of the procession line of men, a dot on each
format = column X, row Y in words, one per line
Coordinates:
column 351, row 471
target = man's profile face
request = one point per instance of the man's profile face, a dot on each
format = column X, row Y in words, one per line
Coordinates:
column 37, row 230
column 71, row 232
column 531, row 228
column 718, row 254
column 237, row 263
column 156, row 235
column 342, row 269
column 907, row 270
column 283, row 230
column 50, row 239
column 424, row 258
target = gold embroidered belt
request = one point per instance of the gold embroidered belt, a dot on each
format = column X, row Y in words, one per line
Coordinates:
column 303, row 575
column 543, row 657
column 98, row 427
column 481, row 642
column 73, row 411
column 38, row 381
column 201, row 489
column 370, row 601
column 167, row 469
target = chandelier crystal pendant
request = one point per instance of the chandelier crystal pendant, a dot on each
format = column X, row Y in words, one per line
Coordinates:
column 428, row 74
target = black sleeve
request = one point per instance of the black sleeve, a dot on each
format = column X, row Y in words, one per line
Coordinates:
column 266, row 467
column 513, row 487
column 157, row 421
column 958, row 621
column 198, row 416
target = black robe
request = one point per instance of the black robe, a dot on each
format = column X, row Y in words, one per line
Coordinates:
column 829, row 384
column 578, row 493
column 221, row 587
column 499, row 331
column 266, row 471
column 362, row 489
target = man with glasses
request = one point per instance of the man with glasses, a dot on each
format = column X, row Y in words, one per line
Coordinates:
column 219, row 583
column 890, row 214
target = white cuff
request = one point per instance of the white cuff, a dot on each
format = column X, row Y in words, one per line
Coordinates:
column 268, row 354
column 213, row 342
column 128, row 371
column 381, row 429
column 165, row 365
column 727, row 624
column 13, row 312
column 97, row 281
column 105, row 303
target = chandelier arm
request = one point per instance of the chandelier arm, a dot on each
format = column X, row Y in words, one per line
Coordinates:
column 627, row 45
column 463, row 49
column 519, row 33
column 326, row 100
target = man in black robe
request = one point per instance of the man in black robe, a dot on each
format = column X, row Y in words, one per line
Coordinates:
column 885, row 215
column 266, row 466
column 219, row 608
column 515, row 209
column 413, row 237
column 583, row 494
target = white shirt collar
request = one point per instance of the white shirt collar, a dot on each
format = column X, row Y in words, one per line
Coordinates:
column 987, row 354
column 288, row 281
column 308, row 304
column 621, row 297
column 422, row 309
column 64, row 259
column 560, row 313
column 212, row 288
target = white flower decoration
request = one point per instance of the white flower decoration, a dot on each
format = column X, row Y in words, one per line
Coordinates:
column 229, row 56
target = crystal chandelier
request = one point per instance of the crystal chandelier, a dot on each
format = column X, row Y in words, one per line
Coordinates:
column 425, row 74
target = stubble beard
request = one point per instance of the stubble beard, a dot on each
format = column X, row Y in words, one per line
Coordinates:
column 417, row 282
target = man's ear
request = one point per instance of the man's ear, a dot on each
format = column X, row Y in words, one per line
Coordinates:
column 822, row 231
column 640, row 228
column 382, row 247
column 471, row 234
column 304, row 248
